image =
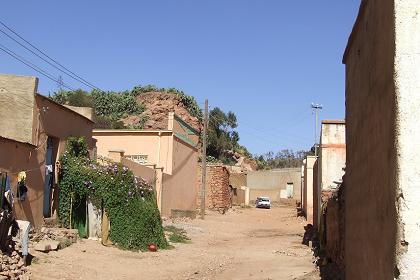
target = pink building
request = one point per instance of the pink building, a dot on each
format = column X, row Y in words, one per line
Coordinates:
column 166, row 158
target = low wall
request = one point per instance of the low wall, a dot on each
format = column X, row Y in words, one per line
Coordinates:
column 332, row 229
column 147, row 173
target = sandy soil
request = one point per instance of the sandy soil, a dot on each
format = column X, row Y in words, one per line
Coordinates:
column 242, row 244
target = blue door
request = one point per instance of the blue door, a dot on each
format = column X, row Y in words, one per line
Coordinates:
column 49, row 178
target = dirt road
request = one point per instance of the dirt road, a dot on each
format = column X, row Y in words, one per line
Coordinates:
column 242, row 244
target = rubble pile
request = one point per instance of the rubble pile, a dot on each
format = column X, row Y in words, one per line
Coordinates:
column 64, row 237
column 12, row 267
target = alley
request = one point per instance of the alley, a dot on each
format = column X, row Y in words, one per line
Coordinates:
column 245, row 243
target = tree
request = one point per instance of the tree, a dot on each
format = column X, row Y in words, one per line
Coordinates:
column 221, row 134
column 282, row 159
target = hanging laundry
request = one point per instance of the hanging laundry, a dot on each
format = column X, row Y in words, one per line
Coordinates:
column 22, row 190
column 48, row 169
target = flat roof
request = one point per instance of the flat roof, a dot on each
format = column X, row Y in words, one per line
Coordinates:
column 125, row 131
column 361, row 14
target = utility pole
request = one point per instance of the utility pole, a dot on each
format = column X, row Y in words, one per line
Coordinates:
column 204, row 161
column 315, row 110
column 60, row 83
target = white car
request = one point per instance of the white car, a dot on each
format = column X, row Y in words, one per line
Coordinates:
column 263, row 202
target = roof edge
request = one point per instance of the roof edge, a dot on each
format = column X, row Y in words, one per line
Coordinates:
column 63, row 107
column 333, row 122
column 360, row 16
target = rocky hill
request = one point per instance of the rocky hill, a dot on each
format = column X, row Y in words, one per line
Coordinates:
column 158, row 105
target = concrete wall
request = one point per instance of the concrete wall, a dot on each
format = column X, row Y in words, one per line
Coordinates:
column 273, row 194
column 179, row 190
column 16, row 156
column 370, row 208
column 308, row 188
column 274, row 181
column 17, row 103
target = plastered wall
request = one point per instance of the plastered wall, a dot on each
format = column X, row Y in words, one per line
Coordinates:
column 370, row 209
column 17, row 103
column 407, row 83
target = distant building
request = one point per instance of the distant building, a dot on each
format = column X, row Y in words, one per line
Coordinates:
column 33, row 135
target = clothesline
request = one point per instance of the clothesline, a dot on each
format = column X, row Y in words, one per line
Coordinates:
column 26, row 171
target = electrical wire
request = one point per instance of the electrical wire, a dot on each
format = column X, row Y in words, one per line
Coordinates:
column 75, row 76
column 31, row 65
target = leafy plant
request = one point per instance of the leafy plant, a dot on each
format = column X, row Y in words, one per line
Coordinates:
column 129, row 201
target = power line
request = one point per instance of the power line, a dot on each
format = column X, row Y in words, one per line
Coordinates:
column 66, row 71
column 31, row 65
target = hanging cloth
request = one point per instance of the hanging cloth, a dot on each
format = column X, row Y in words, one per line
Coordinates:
column 21, row 187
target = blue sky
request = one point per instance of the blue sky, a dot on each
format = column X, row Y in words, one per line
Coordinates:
column 264, row 60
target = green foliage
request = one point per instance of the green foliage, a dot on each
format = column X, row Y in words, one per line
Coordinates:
column 221, row 134
column 109, row 107
column 283, row 159
column 115, row 104
column 77, row 147
column 177, row 235
column 78, row 98
column 107, row 122
column 129, row 201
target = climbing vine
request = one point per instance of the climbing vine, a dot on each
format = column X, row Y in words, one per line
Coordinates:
column 129, row 201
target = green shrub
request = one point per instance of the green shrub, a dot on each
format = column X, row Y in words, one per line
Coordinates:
column 129, row 201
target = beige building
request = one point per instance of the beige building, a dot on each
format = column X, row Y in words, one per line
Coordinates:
column 277, row 184
column 32, row 138
column 172, row 154
column 382, row 59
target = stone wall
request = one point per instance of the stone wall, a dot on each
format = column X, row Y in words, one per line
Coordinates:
column 334, row 219
column 218, row 191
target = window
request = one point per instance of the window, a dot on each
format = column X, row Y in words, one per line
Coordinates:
column 140, row 159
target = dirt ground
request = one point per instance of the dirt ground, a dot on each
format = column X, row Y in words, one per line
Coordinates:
column 245, row 243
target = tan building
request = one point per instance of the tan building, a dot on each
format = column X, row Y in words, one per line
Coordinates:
column 382, row 59
column 277, row 184
column 172, row 154
column 33, row 134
